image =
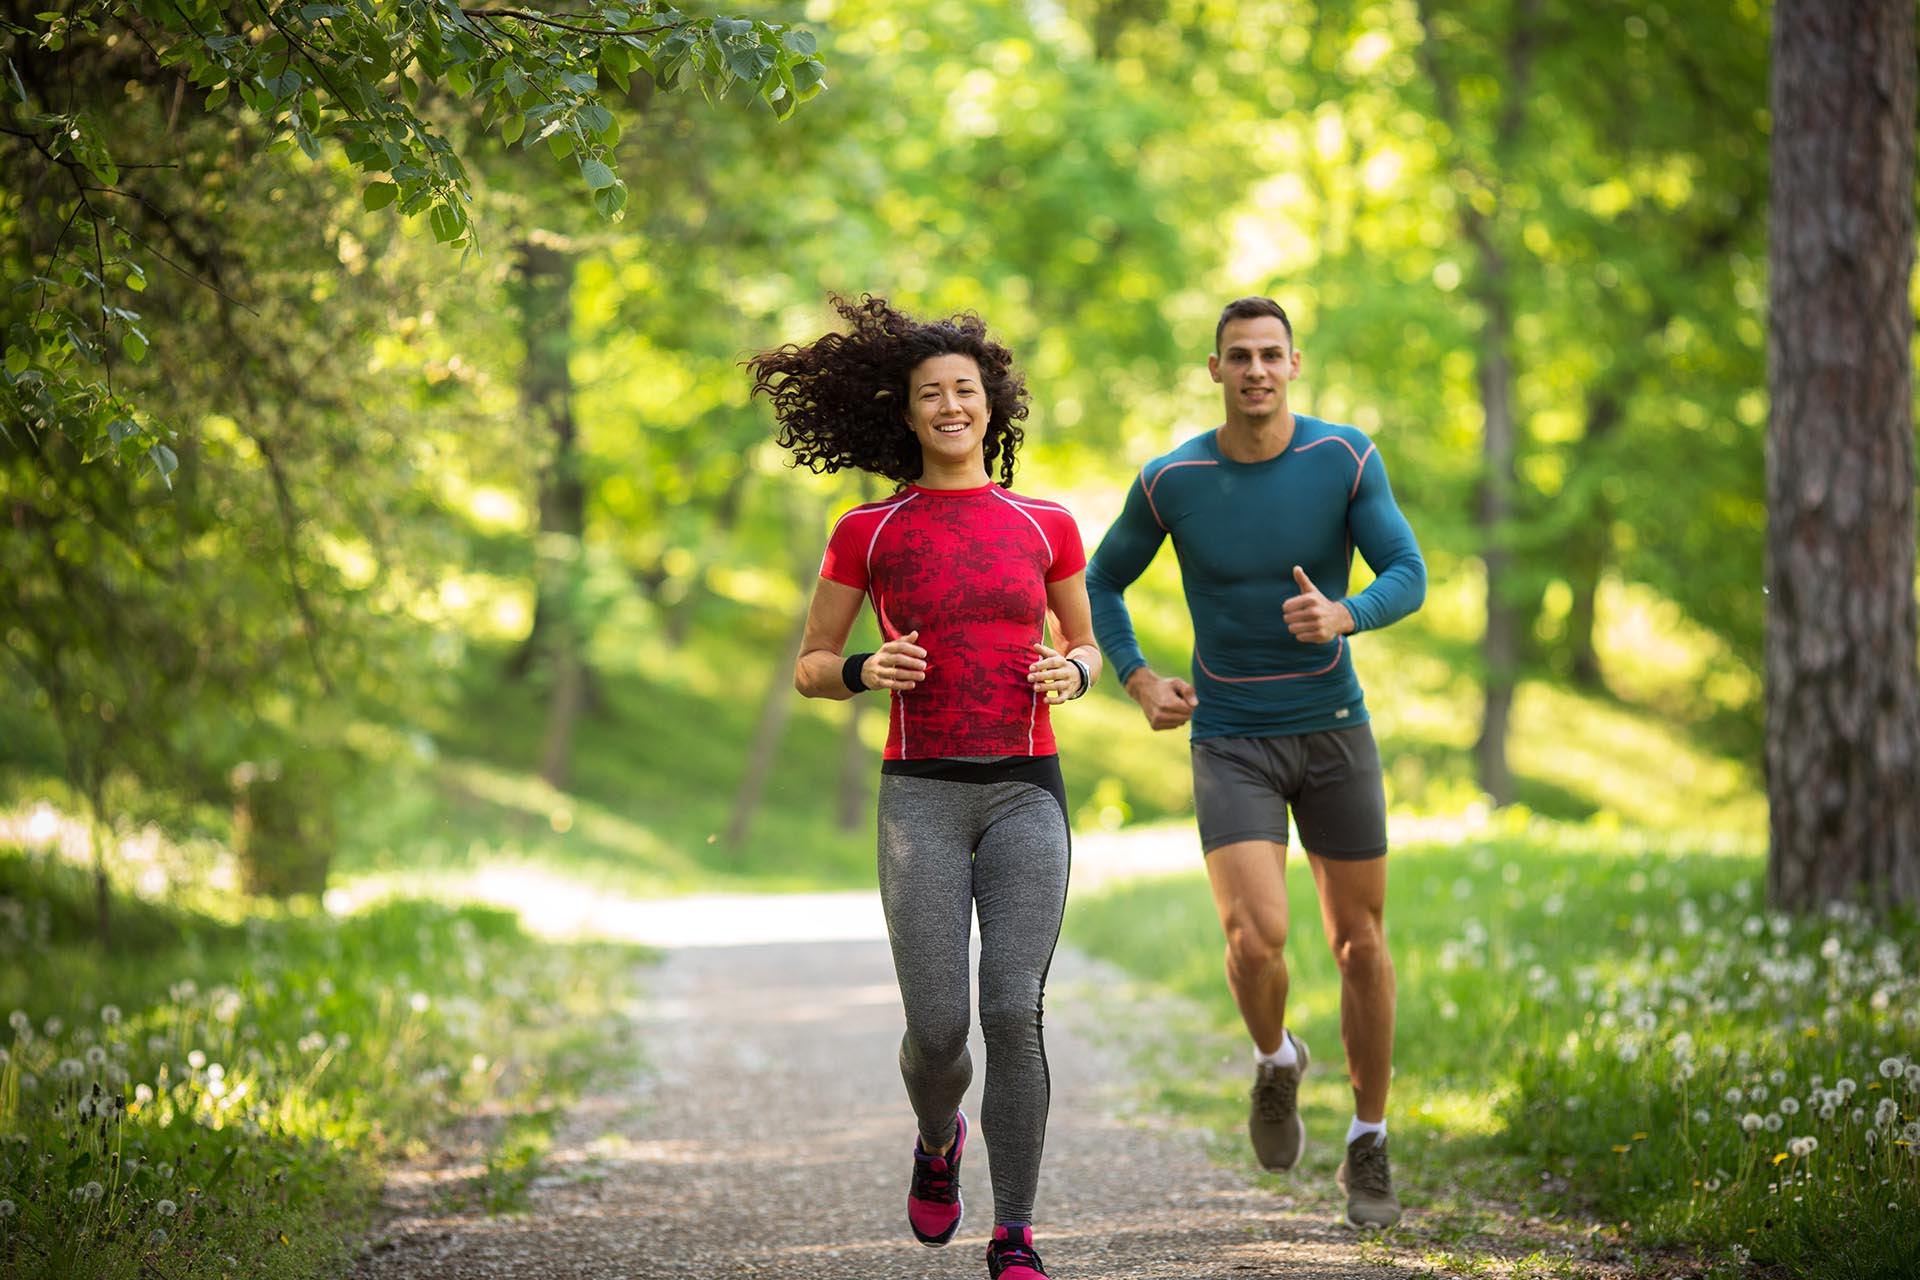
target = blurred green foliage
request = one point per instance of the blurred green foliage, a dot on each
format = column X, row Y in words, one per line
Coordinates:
column 345, row 555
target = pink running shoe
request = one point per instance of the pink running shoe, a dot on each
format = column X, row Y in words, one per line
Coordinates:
column 933, row 1201
column 1011, row 1255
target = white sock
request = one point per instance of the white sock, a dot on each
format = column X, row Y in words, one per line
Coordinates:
column 1359, row 1126
column 1285, row 1056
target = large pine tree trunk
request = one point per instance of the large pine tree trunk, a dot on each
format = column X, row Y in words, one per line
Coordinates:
column 1843, row 692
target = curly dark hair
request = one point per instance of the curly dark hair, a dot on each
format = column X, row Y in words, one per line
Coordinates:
column 841, row 399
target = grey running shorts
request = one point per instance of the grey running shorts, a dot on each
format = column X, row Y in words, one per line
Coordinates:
column 1242, row 788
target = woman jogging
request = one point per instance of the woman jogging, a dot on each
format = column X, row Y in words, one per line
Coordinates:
column 962, row 575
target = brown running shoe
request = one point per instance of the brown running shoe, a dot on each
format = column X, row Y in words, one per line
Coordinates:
column 1273, row 1121
column 1368, row 1181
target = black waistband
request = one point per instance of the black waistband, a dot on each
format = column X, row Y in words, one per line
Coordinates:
column 1041, row 771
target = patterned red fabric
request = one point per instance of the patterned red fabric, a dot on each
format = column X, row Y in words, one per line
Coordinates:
column 968, row 569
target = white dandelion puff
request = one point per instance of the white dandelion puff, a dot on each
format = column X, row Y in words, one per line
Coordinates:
column 166, row 1208
column 1892, row 1068
column 1789, row 1106
column 1845, row 1087
column 196, row 1059
column 1750, row 1122
column 96, row 1056
column 110, row 1014
column 1773, row 1122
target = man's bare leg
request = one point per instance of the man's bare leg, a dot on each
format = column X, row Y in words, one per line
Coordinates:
column 1250, row 893
column 1353, row 897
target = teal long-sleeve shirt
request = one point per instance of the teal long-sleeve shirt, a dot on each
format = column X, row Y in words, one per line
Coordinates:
column 1238, row 529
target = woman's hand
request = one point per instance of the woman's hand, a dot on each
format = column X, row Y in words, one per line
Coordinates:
column 1056, row 675
column 898, row 664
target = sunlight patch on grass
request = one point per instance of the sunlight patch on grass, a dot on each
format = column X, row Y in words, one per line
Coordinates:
column 1629, row 763
column 1460, row 1112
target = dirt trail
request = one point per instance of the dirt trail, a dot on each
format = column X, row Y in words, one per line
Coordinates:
column 768, row 1135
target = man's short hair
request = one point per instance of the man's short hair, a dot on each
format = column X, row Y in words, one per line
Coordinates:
column 1247, row 309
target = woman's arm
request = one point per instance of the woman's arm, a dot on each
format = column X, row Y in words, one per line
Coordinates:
column 897, row 664
column 1072, row 620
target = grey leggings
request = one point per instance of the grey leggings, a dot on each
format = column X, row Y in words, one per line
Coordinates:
column 954, row 833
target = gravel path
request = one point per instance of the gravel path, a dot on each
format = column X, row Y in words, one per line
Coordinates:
column 787, row 1051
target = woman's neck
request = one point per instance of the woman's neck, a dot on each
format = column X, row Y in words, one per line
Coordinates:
column 937, row 473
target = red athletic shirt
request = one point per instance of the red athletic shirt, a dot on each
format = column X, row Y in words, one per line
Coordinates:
column 968, row 569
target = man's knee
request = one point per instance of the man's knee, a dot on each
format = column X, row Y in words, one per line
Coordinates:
column 1256, row 945
column 1359, row 945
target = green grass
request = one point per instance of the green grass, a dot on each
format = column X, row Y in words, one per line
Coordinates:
column 218, row 1096
column 1576, row 1004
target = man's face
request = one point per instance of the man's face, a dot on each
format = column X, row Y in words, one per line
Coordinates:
column 1255, row 363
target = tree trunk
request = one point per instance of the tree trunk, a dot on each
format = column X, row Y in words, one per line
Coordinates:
column 1843, row 691
column 856, row 762
column 1500, row 648
column 775, row 709
column 1586, row 550
column 543, row 296
column 102, row 891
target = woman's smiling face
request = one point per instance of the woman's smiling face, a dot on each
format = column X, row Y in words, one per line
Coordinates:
column 947, row 408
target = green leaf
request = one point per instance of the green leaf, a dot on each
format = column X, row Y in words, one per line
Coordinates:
column 798, row 42
column 512, row 127
column 598, row 175
column 135, row 345
column 167, row 463
column 20, row 90
column 809, row 78
column 379, row 195
column 611, row 200
column 447, row 222
column 596, row 118
column 561, row 144
column 17, row 360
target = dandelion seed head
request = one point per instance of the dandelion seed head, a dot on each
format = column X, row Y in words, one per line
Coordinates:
column 1777, row 1077
column 1857, row 1116
column 1757, row 1094
column 156, row 1236
column 1750, row 1122
column 1846, row 1087
column 1773, row 1123
column 1892, row 1068
column 166, row 1208
column 20, row 1022
column 96, row 1056
column 1789, row 1106
column 1702, row 1116
column 7, row 1209
column 1734, row 1097
column 110, row 1014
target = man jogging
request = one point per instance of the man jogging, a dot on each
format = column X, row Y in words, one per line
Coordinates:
column 1265, row 513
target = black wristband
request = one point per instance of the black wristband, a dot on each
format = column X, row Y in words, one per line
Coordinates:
column 850, row 671
column 1086, row 676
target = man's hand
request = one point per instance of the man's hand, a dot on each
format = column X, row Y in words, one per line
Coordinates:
column 1168, row 700
column 1311, row 617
